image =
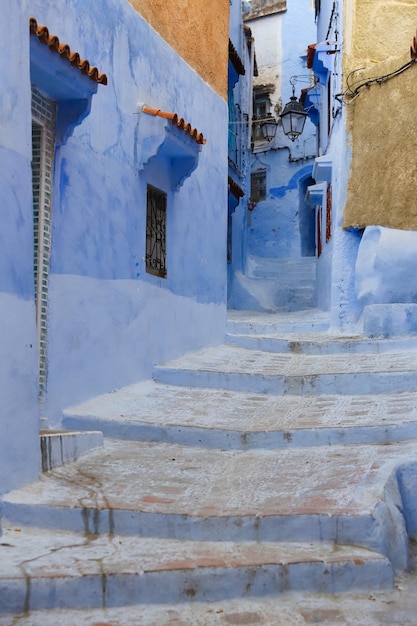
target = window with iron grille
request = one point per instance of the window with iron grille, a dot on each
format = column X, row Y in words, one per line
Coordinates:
column 156, row 204
column 43, row 145
column 258, row 186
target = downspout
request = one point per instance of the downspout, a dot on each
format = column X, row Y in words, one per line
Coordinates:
column 252, row 65
column 251, row 41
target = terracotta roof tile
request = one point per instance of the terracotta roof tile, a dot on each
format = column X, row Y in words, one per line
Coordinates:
column 248, row 34
column 235, row 59
column 310, row 55
column 235, row 189
column 52, row 41
column 179, row 122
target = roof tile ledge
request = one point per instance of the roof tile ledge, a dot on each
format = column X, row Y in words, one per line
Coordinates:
column 52, row 41
column 176, row 121
column 177, row 143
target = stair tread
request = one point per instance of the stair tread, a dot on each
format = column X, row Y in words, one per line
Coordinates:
column 153, row 403
column 35, row 552
column 61, row 569
column 177, row 480
column 231, row 359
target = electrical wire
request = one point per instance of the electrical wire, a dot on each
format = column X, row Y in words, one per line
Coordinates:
column 353, row 90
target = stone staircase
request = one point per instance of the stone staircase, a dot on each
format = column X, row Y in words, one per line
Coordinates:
column 282, row 462
column 274, row 284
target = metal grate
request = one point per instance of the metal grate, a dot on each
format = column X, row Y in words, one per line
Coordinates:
column 43, row 143
column 258, row 186
column 329, row 213
column 156, row 203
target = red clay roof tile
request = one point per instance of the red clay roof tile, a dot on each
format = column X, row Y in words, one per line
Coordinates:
column 177, row 121
column 235, row 59
column 52, row 41
column 310, row 55
column 235, row 189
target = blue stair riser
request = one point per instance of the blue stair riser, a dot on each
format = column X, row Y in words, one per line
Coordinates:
column 331, row 346
column 237, row 327
column 244, row 440
column 310, row 385
column 210, row 584
column 382, row 530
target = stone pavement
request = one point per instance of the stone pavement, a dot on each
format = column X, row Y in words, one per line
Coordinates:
column 218, row 505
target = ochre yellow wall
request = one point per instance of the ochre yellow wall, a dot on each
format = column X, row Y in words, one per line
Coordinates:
column 382, row 121
column 198, row 30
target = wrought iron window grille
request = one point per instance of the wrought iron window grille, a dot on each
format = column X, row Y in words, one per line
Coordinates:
column 258, row 186
column 156, row 204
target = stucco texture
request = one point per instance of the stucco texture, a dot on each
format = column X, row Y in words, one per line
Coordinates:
column 382, row 29
column 197, row 30
column 381, row 188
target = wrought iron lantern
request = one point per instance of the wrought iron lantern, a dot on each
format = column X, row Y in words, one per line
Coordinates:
column 269, row 128
column 293, row 118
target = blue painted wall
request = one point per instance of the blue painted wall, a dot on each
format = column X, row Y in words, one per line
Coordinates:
column 19, row 418
column 109, row 321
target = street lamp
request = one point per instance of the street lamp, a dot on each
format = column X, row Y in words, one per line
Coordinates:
column 293, row 117
column 269, row 128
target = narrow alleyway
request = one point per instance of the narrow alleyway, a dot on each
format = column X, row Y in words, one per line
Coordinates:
column 268, row 480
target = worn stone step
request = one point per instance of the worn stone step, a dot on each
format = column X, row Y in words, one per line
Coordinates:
column 397, row 607
column 151, row 411
column 252, row 322
column 272, row 295
column 292, row 270
column 346, row 494
column 318, row 343
column 46, row 570
column 239, row 369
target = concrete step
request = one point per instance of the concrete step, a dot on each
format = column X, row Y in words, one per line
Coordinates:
column 51, row 570
column 239, row 369
column 150, row 411
column 251, row 322
column 303, row 332
column 271, row 295
column 358, row 494
column 287, row 270
column 318, row 343
column 397, row 607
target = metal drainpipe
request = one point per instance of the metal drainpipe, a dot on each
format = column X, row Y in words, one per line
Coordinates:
column 252, row 64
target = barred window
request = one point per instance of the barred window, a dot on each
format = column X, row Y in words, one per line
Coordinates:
column 258, row 185
column 156, row 203
column 43, row 146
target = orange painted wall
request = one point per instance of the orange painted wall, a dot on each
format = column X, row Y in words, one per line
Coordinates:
column 198, row 30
